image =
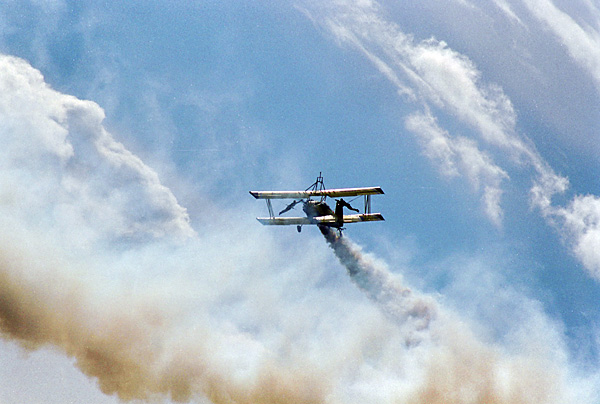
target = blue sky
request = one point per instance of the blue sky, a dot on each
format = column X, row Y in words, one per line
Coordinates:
column 133, row 133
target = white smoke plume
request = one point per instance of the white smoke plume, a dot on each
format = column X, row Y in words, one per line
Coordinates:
column 397, row 301
column 459, row 368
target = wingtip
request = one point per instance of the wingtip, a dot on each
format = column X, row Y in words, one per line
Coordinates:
column 254, row 194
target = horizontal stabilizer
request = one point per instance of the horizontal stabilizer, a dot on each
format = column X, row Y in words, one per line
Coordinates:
column 332, row 193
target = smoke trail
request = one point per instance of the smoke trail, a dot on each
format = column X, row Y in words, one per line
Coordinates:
column 458, row 367
column 398, row 302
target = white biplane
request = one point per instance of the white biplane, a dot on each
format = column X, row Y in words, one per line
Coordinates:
column 317, row 211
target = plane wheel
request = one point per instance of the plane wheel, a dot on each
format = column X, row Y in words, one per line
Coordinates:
column 299, row 228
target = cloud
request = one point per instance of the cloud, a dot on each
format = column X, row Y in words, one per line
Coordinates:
column 429, row 70
column 582, row 42
column 579, row 223
column 57, row 146
column 582, row 221
column 460, row 156
column 506, row 9
column 431, row 73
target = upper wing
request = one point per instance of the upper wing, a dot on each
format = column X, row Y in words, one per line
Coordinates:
column 332, row 193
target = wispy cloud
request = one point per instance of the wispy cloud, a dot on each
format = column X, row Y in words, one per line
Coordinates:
column 504, row 6
column 430, row 72
column 578, row 222
column 460, row 156
column 581, row 41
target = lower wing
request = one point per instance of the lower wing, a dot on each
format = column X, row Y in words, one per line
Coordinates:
column 363, row 217
column 325, row 220
column 284, row 221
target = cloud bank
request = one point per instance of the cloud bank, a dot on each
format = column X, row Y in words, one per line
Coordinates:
column 60, row 157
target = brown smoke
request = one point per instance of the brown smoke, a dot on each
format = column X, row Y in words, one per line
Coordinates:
column 463, row 370
column 123, row 343
column 130, row 346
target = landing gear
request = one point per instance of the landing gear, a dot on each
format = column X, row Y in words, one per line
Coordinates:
column 299, row 228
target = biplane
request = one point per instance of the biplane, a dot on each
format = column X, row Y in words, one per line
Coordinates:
column 315, row 207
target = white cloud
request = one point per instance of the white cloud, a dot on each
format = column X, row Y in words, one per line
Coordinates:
column 460, row 156
column 452, row 82
column 434, row 74
column 429, row 71
column 578, row 222
column 582, row 42
column 62, row 159
column 506, row 9
column 580, row 225
column 582, row 220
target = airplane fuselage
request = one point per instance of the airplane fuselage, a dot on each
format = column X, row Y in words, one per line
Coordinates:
column 318, row 208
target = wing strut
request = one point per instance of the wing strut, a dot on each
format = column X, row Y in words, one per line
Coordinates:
column 270, row 208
